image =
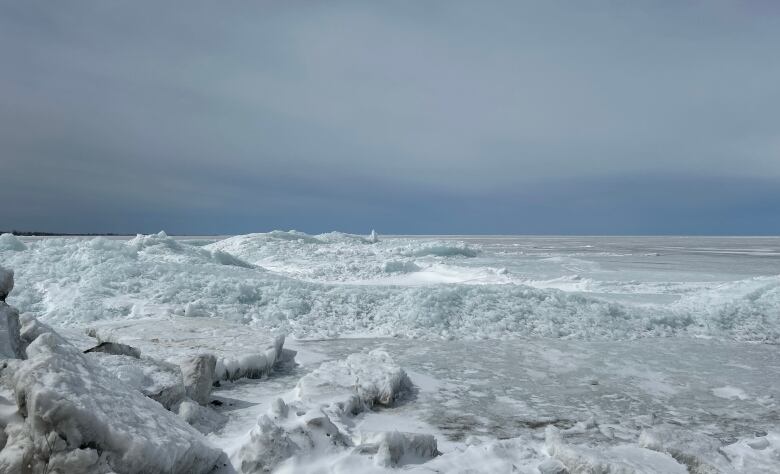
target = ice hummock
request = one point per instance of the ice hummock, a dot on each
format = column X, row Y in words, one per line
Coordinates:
column 75, row 416
column 182, row 341
column 335, row 284
column 11, row 242
column 315, row 421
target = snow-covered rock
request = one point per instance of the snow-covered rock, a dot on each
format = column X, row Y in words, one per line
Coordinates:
column 6, row 282
column 199, row 375
column 76, row 416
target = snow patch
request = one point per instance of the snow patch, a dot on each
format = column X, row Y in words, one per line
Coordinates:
column 731, row 393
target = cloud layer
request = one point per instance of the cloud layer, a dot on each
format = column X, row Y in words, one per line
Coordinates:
column 517, row 117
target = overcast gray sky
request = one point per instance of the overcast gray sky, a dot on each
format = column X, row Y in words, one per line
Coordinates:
column 421, row 117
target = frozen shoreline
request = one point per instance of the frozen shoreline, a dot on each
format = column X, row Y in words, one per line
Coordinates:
column 504, row 362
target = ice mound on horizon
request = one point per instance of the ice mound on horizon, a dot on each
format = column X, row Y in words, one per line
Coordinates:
column 11, row 242
column 440, row 250
column 334, row 256
column 74, row 416
column 163, row 245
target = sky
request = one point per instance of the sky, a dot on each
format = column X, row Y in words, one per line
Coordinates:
column 422, row 117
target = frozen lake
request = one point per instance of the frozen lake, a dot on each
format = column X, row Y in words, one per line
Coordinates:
column 602, row 338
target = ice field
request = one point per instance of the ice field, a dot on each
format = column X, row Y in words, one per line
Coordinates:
column 289, row 352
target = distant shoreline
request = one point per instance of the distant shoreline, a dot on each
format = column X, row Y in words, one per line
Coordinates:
column 20, row 233
column 60, row 234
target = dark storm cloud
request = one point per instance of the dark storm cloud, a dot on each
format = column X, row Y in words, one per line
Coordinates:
column 407, row 116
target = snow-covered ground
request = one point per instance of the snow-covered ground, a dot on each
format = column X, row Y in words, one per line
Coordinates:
column 429, row 354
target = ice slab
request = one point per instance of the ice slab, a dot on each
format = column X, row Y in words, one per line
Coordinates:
column 6, row 282
column 623, row 458
column 240, row 351
column 160, row 381
column 199, row 373
column 75, row 416
column 10, row 342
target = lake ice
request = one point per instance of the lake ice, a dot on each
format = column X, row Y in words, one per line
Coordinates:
column 423, row 354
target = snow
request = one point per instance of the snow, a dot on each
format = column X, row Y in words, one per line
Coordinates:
column 730, row 393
